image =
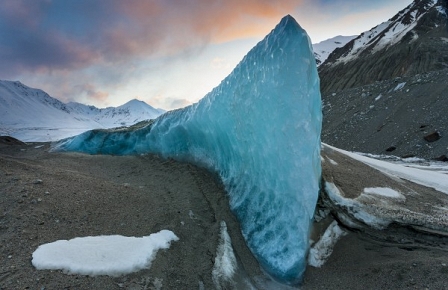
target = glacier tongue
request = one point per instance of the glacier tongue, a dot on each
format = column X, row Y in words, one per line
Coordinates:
column 260, row 130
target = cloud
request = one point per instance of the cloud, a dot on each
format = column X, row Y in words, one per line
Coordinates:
column 91, row 93
column 108, row 50
column 219, row 63
column 47, row 36
column 168, row 103
column 178, row 103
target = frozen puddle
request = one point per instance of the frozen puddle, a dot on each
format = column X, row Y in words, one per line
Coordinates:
column 102, row 255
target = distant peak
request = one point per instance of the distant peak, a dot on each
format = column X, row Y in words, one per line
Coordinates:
column 135, row 101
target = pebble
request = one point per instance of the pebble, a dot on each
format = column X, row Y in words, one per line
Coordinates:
column 38, row 181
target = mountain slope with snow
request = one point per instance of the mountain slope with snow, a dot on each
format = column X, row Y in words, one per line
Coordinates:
column 414, row 41
column 324, row 48
column 130, row 113
column 32, row 115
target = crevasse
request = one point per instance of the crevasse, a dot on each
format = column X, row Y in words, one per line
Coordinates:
column 260, row 131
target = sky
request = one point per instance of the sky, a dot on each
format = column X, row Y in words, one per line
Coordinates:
column 168, row 53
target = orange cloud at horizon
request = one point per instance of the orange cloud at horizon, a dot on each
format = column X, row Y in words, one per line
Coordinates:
column 177, row 25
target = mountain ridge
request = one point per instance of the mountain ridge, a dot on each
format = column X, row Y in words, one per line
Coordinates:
column 412, row 42
column 384, row 91
column 31, row 114
column 324, row 48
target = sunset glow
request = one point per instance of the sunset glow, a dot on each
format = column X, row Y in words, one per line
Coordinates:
column 167, row 53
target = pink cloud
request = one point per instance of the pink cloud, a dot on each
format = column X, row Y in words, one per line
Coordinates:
column 91, row 93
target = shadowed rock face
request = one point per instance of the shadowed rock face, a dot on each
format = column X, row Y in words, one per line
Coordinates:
column 390, row 117
column 422, row 47
column 10, row 140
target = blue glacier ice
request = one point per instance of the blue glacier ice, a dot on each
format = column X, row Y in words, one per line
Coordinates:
column 260, row 131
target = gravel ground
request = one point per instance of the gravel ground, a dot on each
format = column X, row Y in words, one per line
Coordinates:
column 53, row 196
column 46, row 197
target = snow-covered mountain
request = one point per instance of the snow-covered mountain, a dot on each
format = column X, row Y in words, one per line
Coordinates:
column 323, row 49
column 414, row 41
column 130, row 113
column 32, row 115
column 384, row 92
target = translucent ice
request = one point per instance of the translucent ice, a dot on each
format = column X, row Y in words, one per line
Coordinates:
column 260, row 131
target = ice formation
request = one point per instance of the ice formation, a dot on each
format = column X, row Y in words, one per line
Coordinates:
column 260, row 131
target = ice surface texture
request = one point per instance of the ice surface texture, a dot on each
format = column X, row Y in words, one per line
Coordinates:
column 260, row 131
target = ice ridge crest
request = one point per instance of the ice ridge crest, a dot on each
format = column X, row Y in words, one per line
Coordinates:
column 260, row 131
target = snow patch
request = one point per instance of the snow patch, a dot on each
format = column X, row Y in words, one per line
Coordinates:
column 441, row 10
column 400, row 86
column 321, row 251
column 384, row 191
column 332, row 161
column 102, row 255
column 354, row 207
column 412, row 160
column 225, row 260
